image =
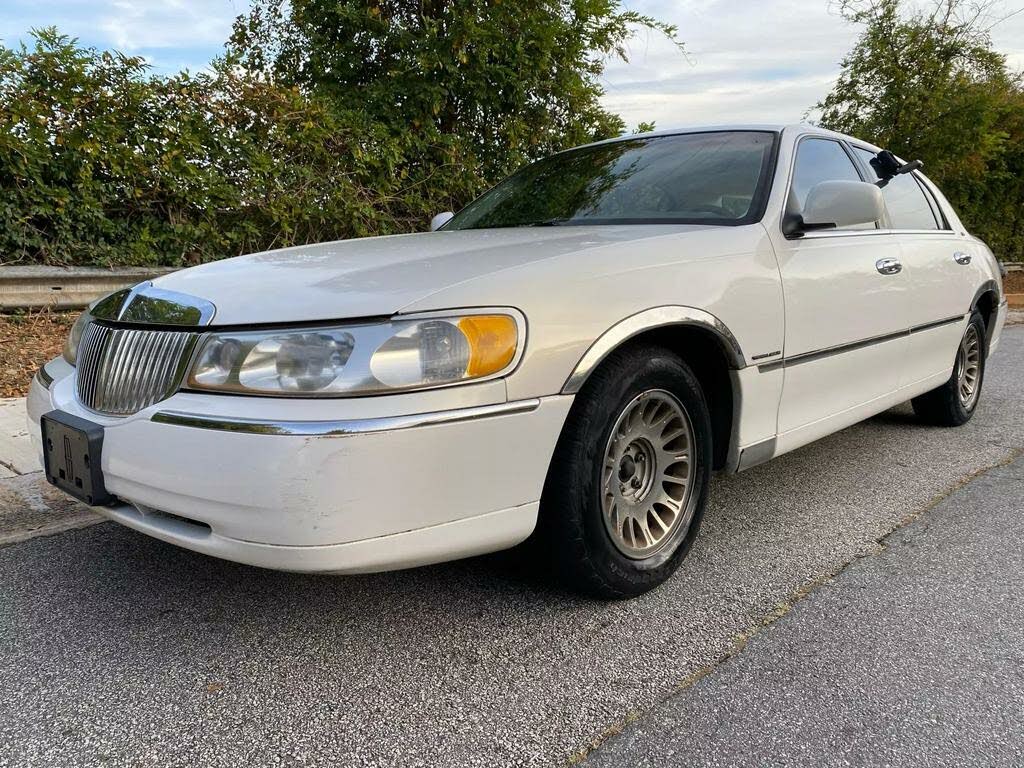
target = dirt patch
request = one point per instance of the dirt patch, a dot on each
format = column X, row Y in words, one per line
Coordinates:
column 1014, row 282
column 26, row 342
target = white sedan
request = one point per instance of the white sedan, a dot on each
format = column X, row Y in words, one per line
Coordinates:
column 569, row 357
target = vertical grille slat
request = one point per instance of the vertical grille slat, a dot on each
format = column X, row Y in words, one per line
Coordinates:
column 159, row 347
column 123, row 370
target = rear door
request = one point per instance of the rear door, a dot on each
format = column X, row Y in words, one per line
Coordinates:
column 846, row 314
column 937, row 270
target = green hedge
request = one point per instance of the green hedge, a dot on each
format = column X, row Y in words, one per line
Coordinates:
column 102, row 163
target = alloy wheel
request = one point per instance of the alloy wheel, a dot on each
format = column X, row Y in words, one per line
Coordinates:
column 968, row 367
column 647, row 475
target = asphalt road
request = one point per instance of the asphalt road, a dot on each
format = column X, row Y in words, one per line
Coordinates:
column 116, row 649
column 911, row 658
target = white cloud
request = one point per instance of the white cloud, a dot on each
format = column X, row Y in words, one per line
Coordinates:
column 765, row 61
column 133, row 25
column 170, row 34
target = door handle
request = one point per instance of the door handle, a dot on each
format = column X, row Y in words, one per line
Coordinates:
column 962, row 258
column 889, row 266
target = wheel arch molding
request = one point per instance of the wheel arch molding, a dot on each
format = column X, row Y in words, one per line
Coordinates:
column 652, row 319
column 986, row 301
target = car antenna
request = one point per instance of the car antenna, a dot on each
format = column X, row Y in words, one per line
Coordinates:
column 887, row 167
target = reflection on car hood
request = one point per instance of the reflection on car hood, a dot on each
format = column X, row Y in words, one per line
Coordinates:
column 379, row 276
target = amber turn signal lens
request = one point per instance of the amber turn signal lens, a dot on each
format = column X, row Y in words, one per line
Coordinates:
column 492, row 343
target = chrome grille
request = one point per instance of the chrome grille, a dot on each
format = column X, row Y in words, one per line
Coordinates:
column 123, row 370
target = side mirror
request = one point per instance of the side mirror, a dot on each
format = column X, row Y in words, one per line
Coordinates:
column 832, row 204
column 440, row 220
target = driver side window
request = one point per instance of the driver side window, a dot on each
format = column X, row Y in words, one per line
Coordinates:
column 820, row 160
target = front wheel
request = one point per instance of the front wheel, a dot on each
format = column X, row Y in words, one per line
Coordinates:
column 629, row 479
column 954, row 402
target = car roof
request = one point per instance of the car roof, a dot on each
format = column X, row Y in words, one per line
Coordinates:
column 802, row 128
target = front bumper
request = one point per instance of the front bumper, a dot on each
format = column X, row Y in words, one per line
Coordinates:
column 383, row 490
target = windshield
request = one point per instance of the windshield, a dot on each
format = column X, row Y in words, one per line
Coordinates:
column 697, row 178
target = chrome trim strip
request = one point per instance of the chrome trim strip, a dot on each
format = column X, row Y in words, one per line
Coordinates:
column 649, row 319
column 818, row 354
column 937, row 324
column 345, row 427
column 44, row 376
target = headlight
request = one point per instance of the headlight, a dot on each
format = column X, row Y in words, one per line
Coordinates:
column 70, row 351
column 399, row 355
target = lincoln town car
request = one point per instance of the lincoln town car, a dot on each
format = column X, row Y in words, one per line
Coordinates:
column 564, row 362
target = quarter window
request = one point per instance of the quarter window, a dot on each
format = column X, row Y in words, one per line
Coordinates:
column 908, row 206
column 819, row 160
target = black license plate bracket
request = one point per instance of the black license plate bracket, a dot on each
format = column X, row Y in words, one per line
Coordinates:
column 72, row 451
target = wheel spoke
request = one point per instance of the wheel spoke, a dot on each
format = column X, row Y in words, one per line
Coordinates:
column 653, row 512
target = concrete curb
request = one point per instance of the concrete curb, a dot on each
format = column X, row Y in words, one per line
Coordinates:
column 29, row 506
column 17, row 457
column 65, row 287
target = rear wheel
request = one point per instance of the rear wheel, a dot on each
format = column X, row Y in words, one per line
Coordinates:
column 954, row 402
column 629, row 479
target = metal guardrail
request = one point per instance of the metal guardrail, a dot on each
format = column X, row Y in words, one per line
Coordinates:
column 65, row 287
column 75, row 287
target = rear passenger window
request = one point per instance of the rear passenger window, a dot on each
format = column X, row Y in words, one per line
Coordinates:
column 909, row 207
column 820, row 160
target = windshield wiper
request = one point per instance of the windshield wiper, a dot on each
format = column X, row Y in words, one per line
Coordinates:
column 545, row 223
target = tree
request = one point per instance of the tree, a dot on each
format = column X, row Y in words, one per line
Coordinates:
column 471, row 89
column 927, row 85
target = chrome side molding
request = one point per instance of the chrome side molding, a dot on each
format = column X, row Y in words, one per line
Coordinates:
column 342, row 428
column 649, row 319
column 817, row 354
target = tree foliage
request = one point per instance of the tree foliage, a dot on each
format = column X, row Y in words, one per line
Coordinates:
column 473, row 87
column 324, row 120
column 927, row 85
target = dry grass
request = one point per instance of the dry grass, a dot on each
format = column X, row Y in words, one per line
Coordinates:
column 26, row 342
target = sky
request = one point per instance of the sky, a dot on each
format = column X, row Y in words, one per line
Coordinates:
column 746, row 61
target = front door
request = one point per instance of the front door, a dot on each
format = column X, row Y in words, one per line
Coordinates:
column 846, row 316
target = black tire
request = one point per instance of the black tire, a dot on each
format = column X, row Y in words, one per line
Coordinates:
column 943, row 406
column 572, row 529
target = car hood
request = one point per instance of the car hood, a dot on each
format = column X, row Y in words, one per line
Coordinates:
column 379, row 276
